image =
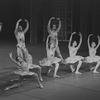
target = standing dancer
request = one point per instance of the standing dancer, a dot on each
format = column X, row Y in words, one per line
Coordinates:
column 92, row 58
column 20, row 36
column 53, row 35
column 73, row 58
column 51, row 59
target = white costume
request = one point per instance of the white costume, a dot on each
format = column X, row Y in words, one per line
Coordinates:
column 73, row 58
column 92, row 54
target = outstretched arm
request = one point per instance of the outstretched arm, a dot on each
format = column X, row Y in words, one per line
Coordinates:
column 59, row 25
column 98, row 42
column 17, row 24
column 48, row 26
column 69, row 45
column 47, row 43
column 27, row 26
column 88, row 41
column 80, row 40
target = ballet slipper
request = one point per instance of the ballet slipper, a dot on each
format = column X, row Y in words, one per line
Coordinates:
column 56, row 76
column 95, row 72
column 78, row 73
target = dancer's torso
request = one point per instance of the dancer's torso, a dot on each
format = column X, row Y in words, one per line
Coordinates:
column 92, row 52
column 21, row 39
column 72, row 52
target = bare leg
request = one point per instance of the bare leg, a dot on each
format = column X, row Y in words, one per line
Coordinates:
column 19, row 52
column 95, row 69
column 41, row 86
column 72, row 68
column 16, row 84
column 50, row 68
column 78, row 67
column 55, row 71
column 39, row 73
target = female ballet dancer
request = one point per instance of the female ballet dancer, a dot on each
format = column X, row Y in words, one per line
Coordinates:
column 73, row 58
column 51, row 59
column 24, row 70
column 20, row 36
column 53, row 35
column 92, row 58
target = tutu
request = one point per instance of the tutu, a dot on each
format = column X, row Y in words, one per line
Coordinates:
column 23, row 73
column 73, row 59
column 92, row 59
column 49, row 62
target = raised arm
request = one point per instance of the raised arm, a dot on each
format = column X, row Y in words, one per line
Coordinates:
column 80, row 40
column 59, row 27
column 69, row 44
column 98, row 42
column 27, row 26
column 88, row 41
column 17, row 24
column 47, row 42
column 48, row 26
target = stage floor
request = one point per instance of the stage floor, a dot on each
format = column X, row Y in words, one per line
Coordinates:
column 68, row 87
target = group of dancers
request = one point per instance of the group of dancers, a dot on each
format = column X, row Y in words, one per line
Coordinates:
column 25, row 62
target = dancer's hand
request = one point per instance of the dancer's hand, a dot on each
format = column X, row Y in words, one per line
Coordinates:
column 90, row 35
column 10, row 55
column 20, row 20
column 58, row 18
column 98, row 36
column 73, row 33
column 26, row 20
column 53, row 18
column 80, row 33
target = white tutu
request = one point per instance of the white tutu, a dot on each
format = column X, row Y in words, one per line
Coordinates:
column 73, row 59
column 49, row 62
column 90, row 59
column 23, row 73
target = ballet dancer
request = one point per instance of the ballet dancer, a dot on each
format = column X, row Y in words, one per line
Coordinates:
column 54, row 35
column 92, row 58
column 24, row 70
column 51, row 59
column 73, row 58
column 20, row 36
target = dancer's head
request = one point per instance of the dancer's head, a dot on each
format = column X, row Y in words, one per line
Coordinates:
column 19, row 59
column 93, row 44
column 54, row 27
column 74, row 43
column 20, row 29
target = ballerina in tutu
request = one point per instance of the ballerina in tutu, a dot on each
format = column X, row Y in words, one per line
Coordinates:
column 24, row 70
column 51, row 59
column 54, row 35
column 73, row 58
column 92, row 58
column 20, row 36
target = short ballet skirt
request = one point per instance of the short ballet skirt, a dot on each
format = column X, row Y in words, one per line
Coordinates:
column 73, row 59
column 90, row 59
column 48, row 61
column 23, row 73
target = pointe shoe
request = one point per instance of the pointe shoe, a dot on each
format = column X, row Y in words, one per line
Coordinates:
column 95, row 72
column 41, row 86
column 78, row 73
column 56, row 76
column 41, row 79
